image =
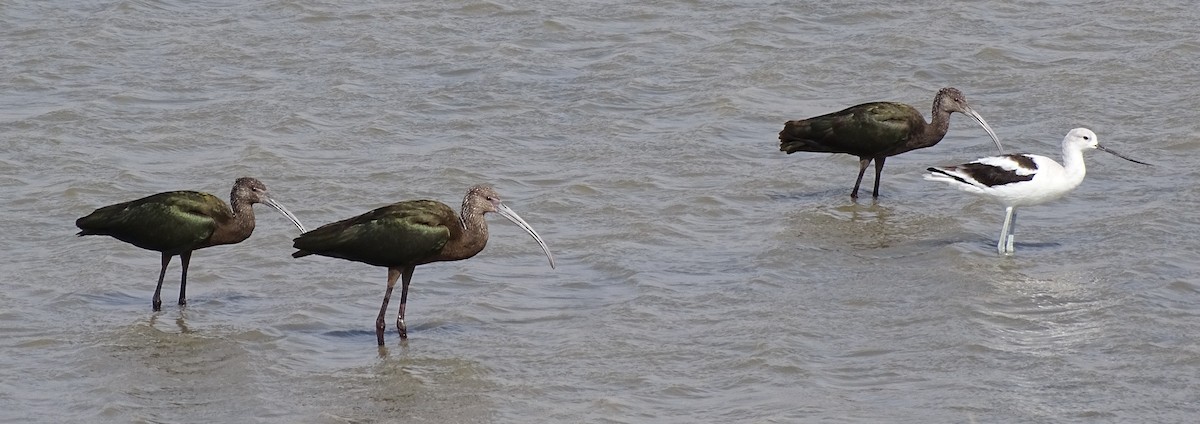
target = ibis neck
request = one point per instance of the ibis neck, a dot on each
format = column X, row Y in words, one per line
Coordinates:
column 471, row 237
column 938, row 126
column 928, row 135
column 475, row 228
column 239, row 228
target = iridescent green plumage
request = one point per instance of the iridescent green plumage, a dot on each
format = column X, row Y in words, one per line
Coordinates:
column 405, row 233
column 173, row 222
column 863, row 130
column 178, row 222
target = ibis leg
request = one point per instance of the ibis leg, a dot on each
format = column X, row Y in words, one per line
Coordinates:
column 407, row 278
column 393, row 275
column 878, row 172
column 156, row 302
column 862, row 169
column 186, row 258
column 1003, row 245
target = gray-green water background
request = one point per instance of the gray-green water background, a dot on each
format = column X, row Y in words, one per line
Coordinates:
column 704, row 275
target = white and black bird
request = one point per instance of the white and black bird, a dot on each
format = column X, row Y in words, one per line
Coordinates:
column 1023, row 179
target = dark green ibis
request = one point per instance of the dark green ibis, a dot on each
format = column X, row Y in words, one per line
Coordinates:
column 402, row 235
column 875, row 131
column 179, row 222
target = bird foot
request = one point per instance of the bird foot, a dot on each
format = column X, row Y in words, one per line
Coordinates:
column 1006, row 247
column 402, row 328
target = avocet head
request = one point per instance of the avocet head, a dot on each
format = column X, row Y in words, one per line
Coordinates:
column 1083, row 137
column 1086, row 139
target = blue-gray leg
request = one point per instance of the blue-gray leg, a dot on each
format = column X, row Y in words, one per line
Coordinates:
column 1012, row 231
column 1004, row 245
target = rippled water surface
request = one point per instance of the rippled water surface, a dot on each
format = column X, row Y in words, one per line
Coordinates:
column 703, row 276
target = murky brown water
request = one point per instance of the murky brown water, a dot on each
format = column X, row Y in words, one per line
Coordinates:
column 703, row 275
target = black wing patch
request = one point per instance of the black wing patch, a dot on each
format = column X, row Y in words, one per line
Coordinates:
column 991, row 175
column 1023, row 161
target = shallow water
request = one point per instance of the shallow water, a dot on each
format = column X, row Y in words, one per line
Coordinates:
column 703, row 275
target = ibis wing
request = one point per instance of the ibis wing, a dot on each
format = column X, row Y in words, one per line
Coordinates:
column 878, row 127
column 393, row 235
column 174, row 221
column 864, row 130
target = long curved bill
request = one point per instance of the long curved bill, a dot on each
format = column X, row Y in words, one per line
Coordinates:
column 512, row 216
column 276, row 206
column 975, row 115
column 1121, row 156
